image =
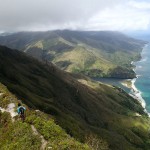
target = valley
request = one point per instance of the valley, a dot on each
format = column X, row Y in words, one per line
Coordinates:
column 78, row 104
column 92, row 53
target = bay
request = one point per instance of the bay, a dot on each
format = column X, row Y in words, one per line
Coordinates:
column 142, row 83
column 114, row 82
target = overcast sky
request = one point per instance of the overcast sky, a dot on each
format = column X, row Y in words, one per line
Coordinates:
column 22, row 15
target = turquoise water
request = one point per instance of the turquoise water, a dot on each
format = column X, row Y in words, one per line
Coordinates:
column 142, row 82
column 143, row 72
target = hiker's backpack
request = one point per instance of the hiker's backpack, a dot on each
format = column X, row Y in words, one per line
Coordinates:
column 21, row 110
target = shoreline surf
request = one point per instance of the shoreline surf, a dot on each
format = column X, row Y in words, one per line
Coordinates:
column 135, row 93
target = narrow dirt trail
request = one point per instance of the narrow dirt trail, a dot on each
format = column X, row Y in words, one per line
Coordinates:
column 43, row 141
column 11, row 109
column 1, row 94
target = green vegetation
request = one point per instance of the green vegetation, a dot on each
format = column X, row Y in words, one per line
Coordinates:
column 77, row 104
column 121, row 72
column 85, row 62
column 14, row 135
column 17, row 135
column 57, row 138
column 96, row 54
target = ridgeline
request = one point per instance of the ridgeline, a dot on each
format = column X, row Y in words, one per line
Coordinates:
column 82, row 107
column 93, row 53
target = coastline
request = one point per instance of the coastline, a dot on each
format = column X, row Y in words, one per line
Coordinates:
column 135, row 93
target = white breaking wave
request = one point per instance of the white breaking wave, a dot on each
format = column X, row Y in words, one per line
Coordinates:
column 143, row 60
column 137, row 94
column 139, row 67
column 138, row 75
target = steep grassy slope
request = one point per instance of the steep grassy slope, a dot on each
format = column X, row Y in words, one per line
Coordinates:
column 92, row 53
column 82, row 61
column 20, row 136
column 81, row 107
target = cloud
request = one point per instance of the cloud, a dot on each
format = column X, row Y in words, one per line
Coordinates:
column 140, row 4
column 18, row 15
column 121, row 17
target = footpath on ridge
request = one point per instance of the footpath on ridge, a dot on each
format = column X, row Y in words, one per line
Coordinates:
column 11, row 110
column 38, row 132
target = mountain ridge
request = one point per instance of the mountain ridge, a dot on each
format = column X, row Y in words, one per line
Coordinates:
column 81, row 51
column 39, row 131
column 78, row 104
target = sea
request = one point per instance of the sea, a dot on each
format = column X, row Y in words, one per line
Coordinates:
column 141, row 84
column 114, row 82
column 142, row 70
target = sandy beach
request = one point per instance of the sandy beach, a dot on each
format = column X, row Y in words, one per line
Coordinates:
column 135, row 93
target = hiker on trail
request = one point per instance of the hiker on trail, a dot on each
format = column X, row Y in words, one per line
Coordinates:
column 21, row 111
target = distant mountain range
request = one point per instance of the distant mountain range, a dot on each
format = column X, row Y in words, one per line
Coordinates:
column 93, row 53
column 79, row 105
